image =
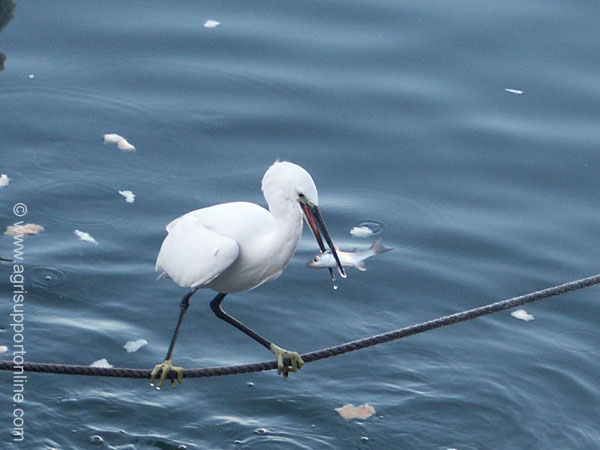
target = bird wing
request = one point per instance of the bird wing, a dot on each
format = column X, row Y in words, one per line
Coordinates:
column 192, row 254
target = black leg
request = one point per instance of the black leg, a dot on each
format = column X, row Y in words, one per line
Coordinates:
column 184, row 305
column 286, row 361
column 165, row 368
column 215, row 305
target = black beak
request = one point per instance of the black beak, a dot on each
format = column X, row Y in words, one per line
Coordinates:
column 317, row 225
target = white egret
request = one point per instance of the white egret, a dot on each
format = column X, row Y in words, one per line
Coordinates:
column 238, row 246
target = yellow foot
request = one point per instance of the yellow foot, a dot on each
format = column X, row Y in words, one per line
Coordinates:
column 164, row 369
column 282, row 354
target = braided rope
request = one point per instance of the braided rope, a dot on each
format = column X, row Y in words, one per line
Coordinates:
column 318, row 354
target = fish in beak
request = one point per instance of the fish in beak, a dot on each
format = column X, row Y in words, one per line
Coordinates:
column 317, row 225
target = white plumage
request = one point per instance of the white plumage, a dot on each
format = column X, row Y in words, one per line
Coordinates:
column 237, row 246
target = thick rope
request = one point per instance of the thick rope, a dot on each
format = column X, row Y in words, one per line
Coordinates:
column 319, row 354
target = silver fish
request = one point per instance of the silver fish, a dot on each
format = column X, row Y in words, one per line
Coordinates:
column 348, row 259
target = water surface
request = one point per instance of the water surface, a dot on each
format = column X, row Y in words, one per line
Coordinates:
column 400, row 113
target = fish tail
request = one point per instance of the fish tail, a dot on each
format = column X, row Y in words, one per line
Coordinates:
column 378, row 247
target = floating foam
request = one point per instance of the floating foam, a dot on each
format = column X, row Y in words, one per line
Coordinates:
column 121, row 142
column 4, row 180
column 24, row 230
column 129, row 196
column 521, row 314
column 85, row 236
column 134, row 346
column 514, row 91
column 361, row 232
column 102, row 363
column 211, row 24
column 125, row 146
column 112, row 138
column 350, row 411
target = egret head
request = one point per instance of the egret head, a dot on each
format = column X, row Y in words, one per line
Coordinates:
column 287, row 182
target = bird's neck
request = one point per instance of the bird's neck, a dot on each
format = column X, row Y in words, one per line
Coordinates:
column 288, row 224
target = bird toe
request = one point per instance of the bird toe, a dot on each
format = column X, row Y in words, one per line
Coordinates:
column 165, row 369
column 286, row 361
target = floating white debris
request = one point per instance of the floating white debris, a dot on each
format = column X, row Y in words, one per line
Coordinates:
column 112, row 138
column 31, row 75
column 4, row 180
column 101, row 363
column 121, row 142
column 361, row 232
column 134, row 346
column 355, row 412
column 211, row 23
column 514, row 91
column 125, row 146
column 24, row 230
column 85, row 236
column 521, row 314
column 3, row 349
column 129, row 196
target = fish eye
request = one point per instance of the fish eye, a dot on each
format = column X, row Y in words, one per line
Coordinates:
column 316, row 259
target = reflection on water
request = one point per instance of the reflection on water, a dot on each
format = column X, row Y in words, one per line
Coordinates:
column 400, row 115
column 7, row 8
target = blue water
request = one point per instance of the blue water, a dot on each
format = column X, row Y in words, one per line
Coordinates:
column 399, row 112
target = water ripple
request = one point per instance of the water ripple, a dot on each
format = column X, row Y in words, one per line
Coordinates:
column 578, row 341
column 78, row 203
column 267, row 439
column 375, row 226
column 85, row 99
column 47, row 277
